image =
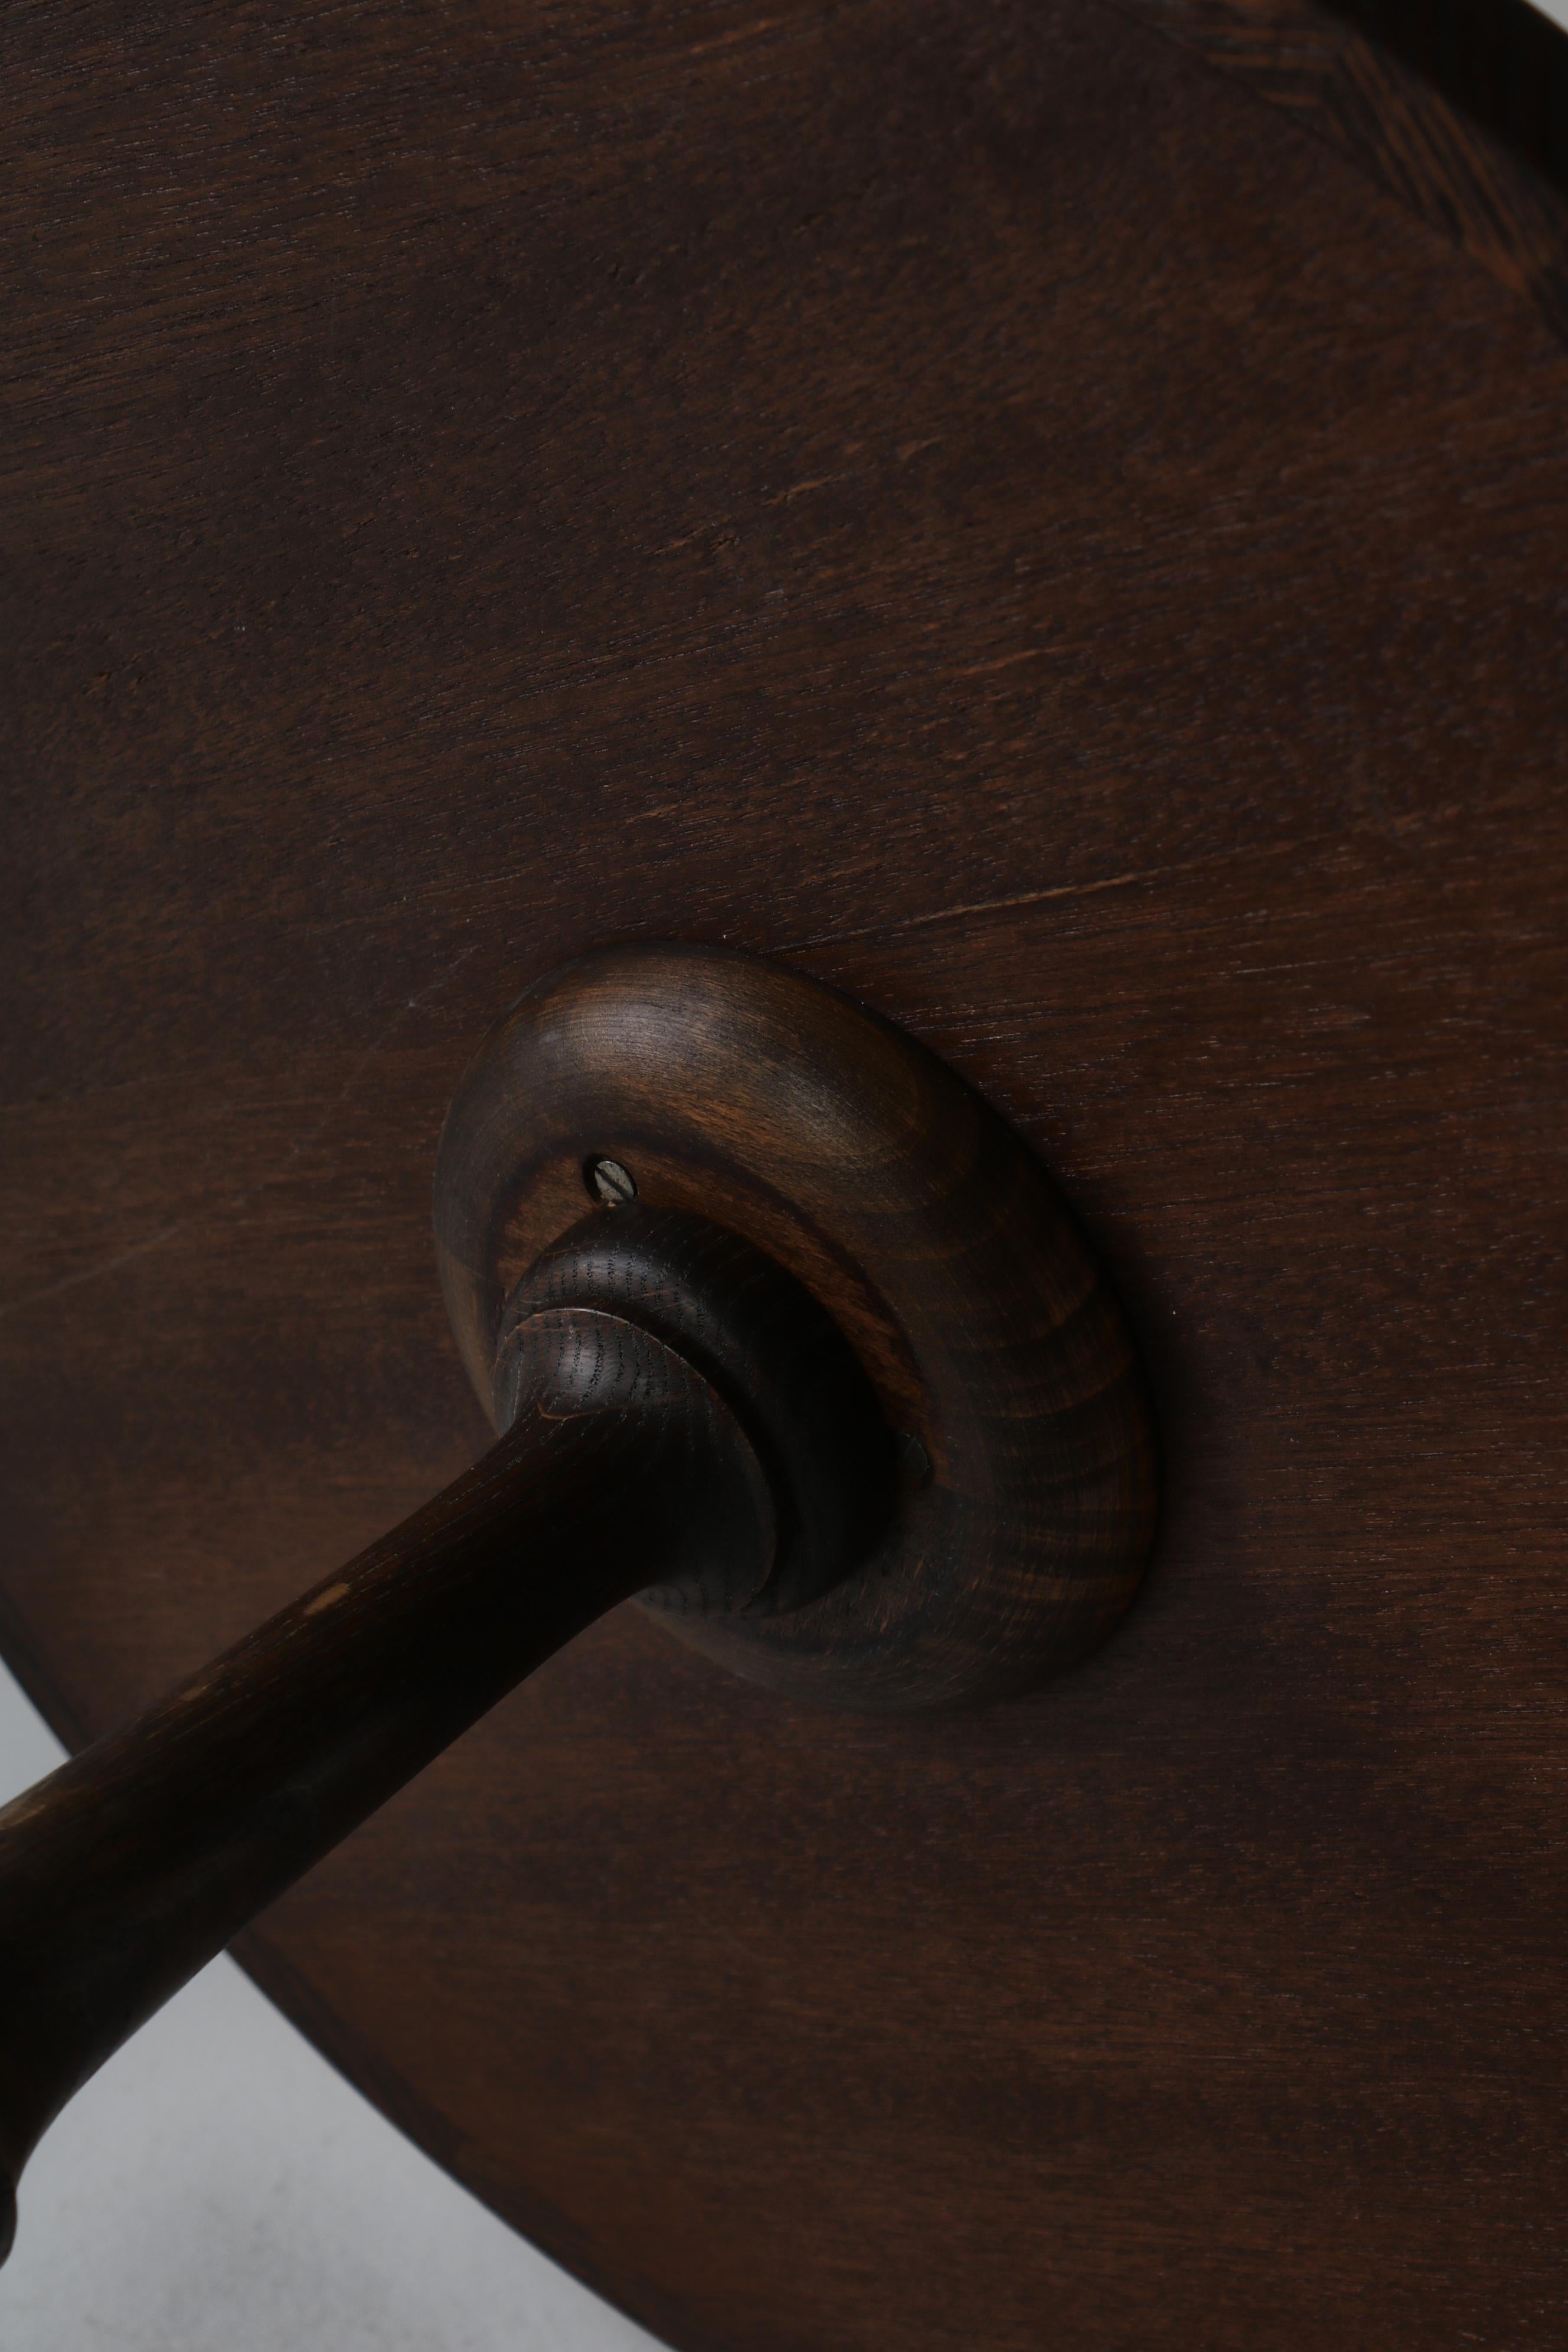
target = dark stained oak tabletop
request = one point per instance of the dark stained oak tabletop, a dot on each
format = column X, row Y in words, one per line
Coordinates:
column 995, row 508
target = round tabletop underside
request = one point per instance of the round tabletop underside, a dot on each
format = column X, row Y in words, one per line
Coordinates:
column 974, row 504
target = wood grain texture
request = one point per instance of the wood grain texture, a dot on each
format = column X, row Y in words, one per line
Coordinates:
column 1458, row 108
column 890, row 1205
column 972, row 502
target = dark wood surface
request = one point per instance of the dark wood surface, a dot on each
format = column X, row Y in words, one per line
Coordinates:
column 1456, row 108
column 969, row 501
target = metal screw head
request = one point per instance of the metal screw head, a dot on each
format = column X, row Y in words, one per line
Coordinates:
column 608, row 1182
